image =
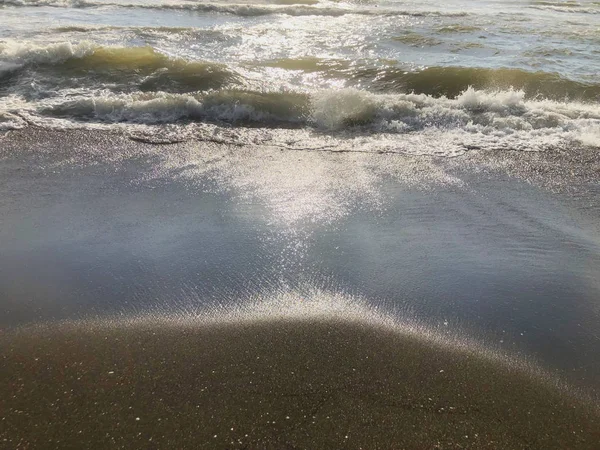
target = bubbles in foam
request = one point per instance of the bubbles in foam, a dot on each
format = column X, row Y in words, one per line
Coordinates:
column 485, row 120
column 589, row 136
column 11, row 122
column 511, row 101
column 29, row 52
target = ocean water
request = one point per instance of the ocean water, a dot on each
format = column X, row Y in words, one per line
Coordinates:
column 406, row 76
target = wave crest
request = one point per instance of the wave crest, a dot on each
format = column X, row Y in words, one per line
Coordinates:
column 475, row 119
column 89, row 65
column 19, row 52
column 144, row 68
column 448, row 81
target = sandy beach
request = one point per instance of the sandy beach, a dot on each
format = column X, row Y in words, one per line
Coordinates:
column 198, row 296
column 272, row 385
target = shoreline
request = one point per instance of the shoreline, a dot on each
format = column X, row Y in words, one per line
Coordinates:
column 95, row 224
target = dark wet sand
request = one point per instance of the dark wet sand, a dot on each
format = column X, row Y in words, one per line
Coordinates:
column 93, row 224
column 283, row 385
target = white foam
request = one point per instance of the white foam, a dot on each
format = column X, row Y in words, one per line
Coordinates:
column 589, row 136
column 11, row 122
column 500, row 101
column 354, row 119
column 25, row 52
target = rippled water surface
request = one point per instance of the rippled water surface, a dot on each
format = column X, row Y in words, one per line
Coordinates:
column 487, row 74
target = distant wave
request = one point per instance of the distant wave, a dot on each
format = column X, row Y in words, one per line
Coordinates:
column 566, row 7
column 54, row 3
column 87, row 64
column 245, row 10
column 451, row 81
column 458, row 28
column 446, row 81
column 84, row 64
column 29, row 52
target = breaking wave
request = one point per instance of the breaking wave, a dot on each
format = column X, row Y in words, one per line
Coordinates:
column 17, row 52
column 475, row 119
column 221, row 106
column 140, row 68
column 333, row 108
column 451, row 81
column 446, row 81
column 83, row 83
column 128, row 69
column 10, row 121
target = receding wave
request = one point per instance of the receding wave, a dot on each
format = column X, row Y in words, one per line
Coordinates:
column 303, row 8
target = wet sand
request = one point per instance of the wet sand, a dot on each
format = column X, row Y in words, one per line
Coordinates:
column 95, row 226
column 280, row 384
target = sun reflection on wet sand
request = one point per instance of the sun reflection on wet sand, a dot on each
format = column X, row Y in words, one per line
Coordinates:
column 315, row 369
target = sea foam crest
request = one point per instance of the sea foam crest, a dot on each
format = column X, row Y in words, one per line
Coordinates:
column 334, row 109
column 590, row 136
column 478, row 119
column 26, row 52
column 10, row 121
